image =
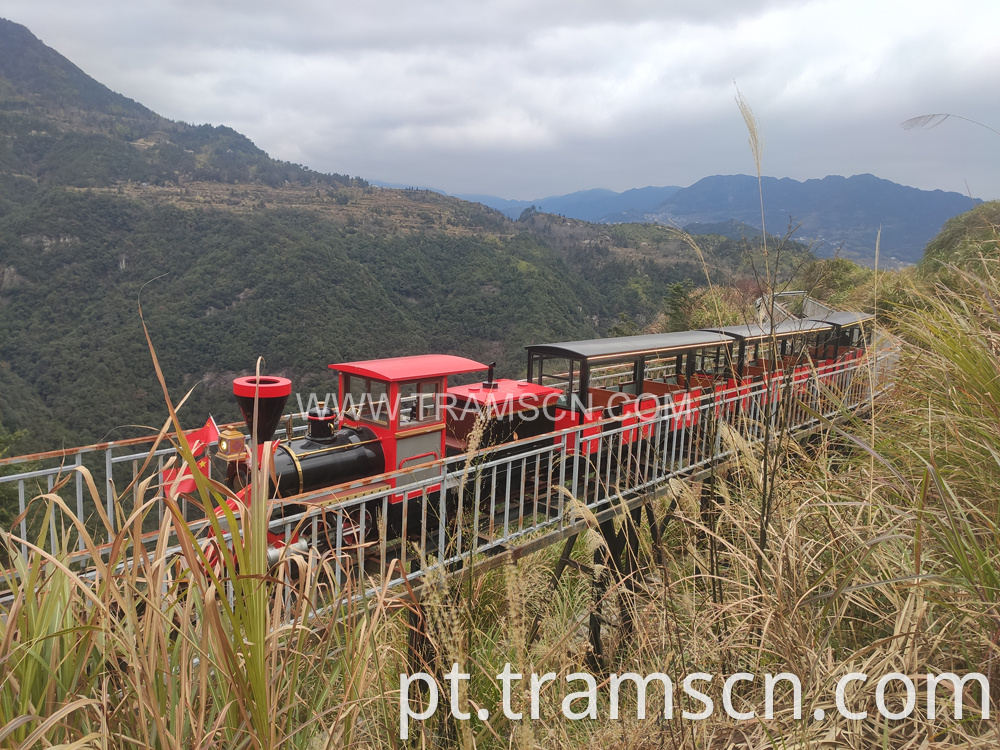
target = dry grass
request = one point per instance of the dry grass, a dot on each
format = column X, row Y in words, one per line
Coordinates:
column 881, row 558
column 882, row 555
column 147, row 651
column 838, row 592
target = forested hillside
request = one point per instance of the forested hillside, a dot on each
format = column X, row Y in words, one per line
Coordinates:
column 222, row 288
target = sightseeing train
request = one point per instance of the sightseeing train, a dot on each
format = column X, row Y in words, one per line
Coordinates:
column 395, row 418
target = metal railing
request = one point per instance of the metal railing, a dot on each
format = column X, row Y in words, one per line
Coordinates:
column 442, row 514
column 113, row 465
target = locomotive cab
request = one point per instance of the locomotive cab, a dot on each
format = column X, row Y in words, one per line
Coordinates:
column 400, row 401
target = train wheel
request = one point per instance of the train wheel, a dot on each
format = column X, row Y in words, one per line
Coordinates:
column 355, row 528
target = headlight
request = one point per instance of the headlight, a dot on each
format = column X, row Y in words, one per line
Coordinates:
column 232, row 445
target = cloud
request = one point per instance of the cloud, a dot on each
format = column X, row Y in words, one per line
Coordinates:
column 524, row 99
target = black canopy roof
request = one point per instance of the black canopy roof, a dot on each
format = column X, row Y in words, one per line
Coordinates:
column 630, row 347
column 790, row 327
column 664, row 344
column 846, row 318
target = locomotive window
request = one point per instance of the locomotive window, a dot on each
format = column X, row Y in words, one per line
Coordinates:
column 375, row 405
column 354, row 387
column 366, row 400
column 429, row 403
column 419, row 402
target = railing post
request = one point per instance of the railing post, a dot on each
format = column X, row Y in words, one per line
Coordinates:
column 52, row 520
column 79, row 497
column 339, row 556
column 442, row 524
column 419, row 648
column 108, row 470
column 24, row 519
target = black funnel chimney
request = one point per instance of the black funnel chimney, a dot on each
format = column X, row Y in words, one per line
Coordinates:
column 272, row 393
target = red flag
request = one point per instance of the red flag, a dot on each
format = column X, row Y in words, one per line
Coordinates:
column 178, row 481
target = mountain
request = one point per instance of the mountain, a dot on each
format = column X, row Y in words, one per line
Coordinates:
column 105, row 204
column 597, row 205
column 61, row 127
column 838, row 214
column 36, row 74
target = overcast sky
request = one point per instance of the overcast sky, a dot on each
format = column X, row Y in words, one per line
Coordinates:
column 529, row 98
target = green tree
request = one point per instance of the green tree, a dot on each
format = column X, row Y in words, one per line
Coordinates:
column 678, row 305
column 8, row 491
column 624, row 326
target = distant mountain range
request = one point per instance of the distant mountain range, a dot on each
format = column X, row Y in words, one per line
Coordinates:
column 837, row 214
column 597, row 205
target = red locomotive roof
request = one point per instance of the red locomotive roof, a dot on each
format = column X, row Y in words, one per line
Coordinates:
column 417, row 367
